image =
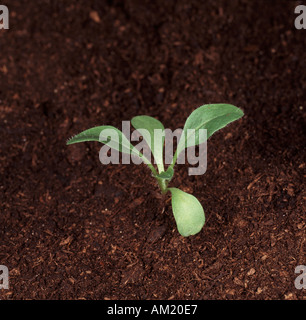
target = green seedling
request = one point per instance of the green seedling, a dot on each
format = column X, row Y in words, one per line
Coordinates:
column 187, row 210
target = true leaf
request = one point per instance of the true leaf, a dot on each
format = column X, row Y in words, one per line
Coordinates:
column 188, row 212
column 150, row 125
column 166, row 175
column 104, row 134
column 212, row 117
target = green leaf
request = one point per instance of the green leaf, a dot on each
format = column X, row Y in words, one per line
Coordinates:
column 188, row 212
column 212, row 117
column 104, row 134
column 110, row 136
column 166, row 175
column 151, row 124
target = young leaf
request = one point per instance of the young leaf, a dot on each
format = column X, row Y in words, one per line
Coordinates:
column 212, row 117
column 110, row 136
column 104, row 134
column 166, row 175
column 150, row 125
column 188, row 212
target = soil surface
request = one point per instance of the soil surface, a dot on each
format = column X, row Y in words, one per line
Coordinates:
column 72, row 228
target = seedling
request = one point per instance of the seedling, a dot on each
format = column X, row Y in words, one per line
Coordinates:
column 187, row 210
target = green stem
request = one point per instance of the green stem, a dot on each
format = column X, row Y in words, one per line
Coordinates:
column 173, row 160
column 163, row 184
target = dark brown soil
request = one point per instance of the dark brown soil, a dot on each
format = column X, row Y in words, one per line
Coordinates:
column 71, row 228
